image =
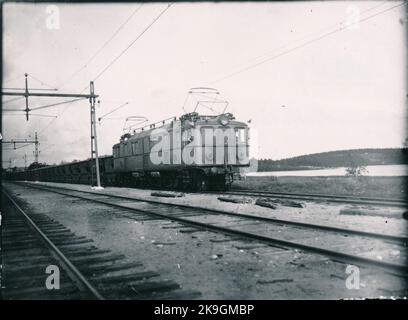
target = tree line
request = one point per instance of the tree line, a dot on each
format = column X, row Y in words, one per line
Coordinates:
column 342, row 158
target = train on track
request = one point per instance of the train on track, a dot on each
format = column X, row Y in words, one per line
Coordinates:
column 193, row 152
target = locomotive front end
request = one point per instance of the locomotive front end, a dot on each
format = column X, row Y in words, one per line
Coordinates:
column 222, row 147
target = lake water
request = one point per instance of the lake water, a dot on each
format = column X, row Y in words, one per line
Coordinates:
column 394, row 170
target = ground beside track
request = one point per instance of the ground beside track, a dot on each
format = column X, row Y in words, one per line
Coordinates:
column 366, row 186
column 225, row 269
column 384, row 219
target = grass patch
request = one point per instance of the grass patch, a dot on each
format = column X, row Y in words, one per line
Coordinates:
column 381, row 187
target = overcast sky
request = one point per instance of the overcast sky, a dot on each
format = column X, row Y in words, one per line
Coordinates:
column 311, row 92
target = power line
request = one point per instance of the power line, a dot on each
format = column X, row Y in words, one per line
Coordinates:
column 302, row 45
column 23, row 146
column 304, row 38
column 31, row 89
column 14, row 99
column 103, row 46
column 112, row 62
column 86, row 64
column 117, row 108
column 56, row 104
column 42, row 82
column 10, row 80
column 31, row 114
column 59, row 114
column 133, row 42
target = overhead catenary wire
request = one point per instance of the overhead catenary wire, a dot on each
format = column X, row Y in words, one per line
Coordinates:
column 31, row 89
column 45, row 106
column 204, row 94
column 56, row 104
column 13, row 79
column 110, row 112
column 133, row 42
column 12, row 110
column 31, row 114
column 303, row 45
column 43, row 115
column 53, row 120
column 305, row 37
column 41, row 82
column 48, row 145
column 20, row 147
column 209, row 108
column 114, row 118
column 12, row 100
column 139, row 119
column 102, row 47
column 111, row 63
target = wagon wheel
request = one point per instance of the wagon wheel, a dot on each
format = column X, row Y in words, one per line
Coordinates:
column 201, row 182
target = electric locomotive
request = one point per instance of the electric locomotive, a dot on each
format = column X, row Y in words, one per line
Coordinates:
column 193, row 152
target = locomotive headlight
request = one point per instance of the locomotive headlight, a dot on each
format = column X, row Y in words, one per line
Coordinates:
column 223, row 120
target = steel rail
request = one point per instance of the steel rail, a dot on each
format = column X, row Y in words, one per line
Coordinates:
column 402, row 239
column 320, row 195
column 344, row 257
column 71, row 269
column 315, row 197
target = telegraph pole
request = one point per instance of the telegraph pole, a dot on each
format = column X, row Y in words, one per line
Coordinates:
column 25, row 161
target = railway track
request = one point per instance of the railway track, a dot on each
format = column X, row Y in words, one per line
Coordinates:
column 355, row 247
column 322, row 197
column 32, row 242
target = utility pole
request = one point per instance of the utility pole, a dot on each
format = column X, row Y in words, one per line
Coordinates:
column 25, row 161
column 36, row 152
column 92, row 96
column 94, row 141
column 26, row 96
column 28, row 93
column 25, row 141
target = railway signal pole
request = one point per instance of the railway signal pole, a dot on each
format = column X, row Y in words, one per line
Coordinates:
column 91, row 96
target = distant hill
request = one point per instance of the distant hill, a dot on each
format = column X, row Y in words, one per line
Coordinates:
column 342, row 158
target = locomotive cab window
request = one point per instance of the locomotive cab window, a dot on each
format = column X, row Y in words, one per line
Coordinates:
column 139, row 147
column 116, row 152
column 146, row 145
column 240, row 135
column 134, row 147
